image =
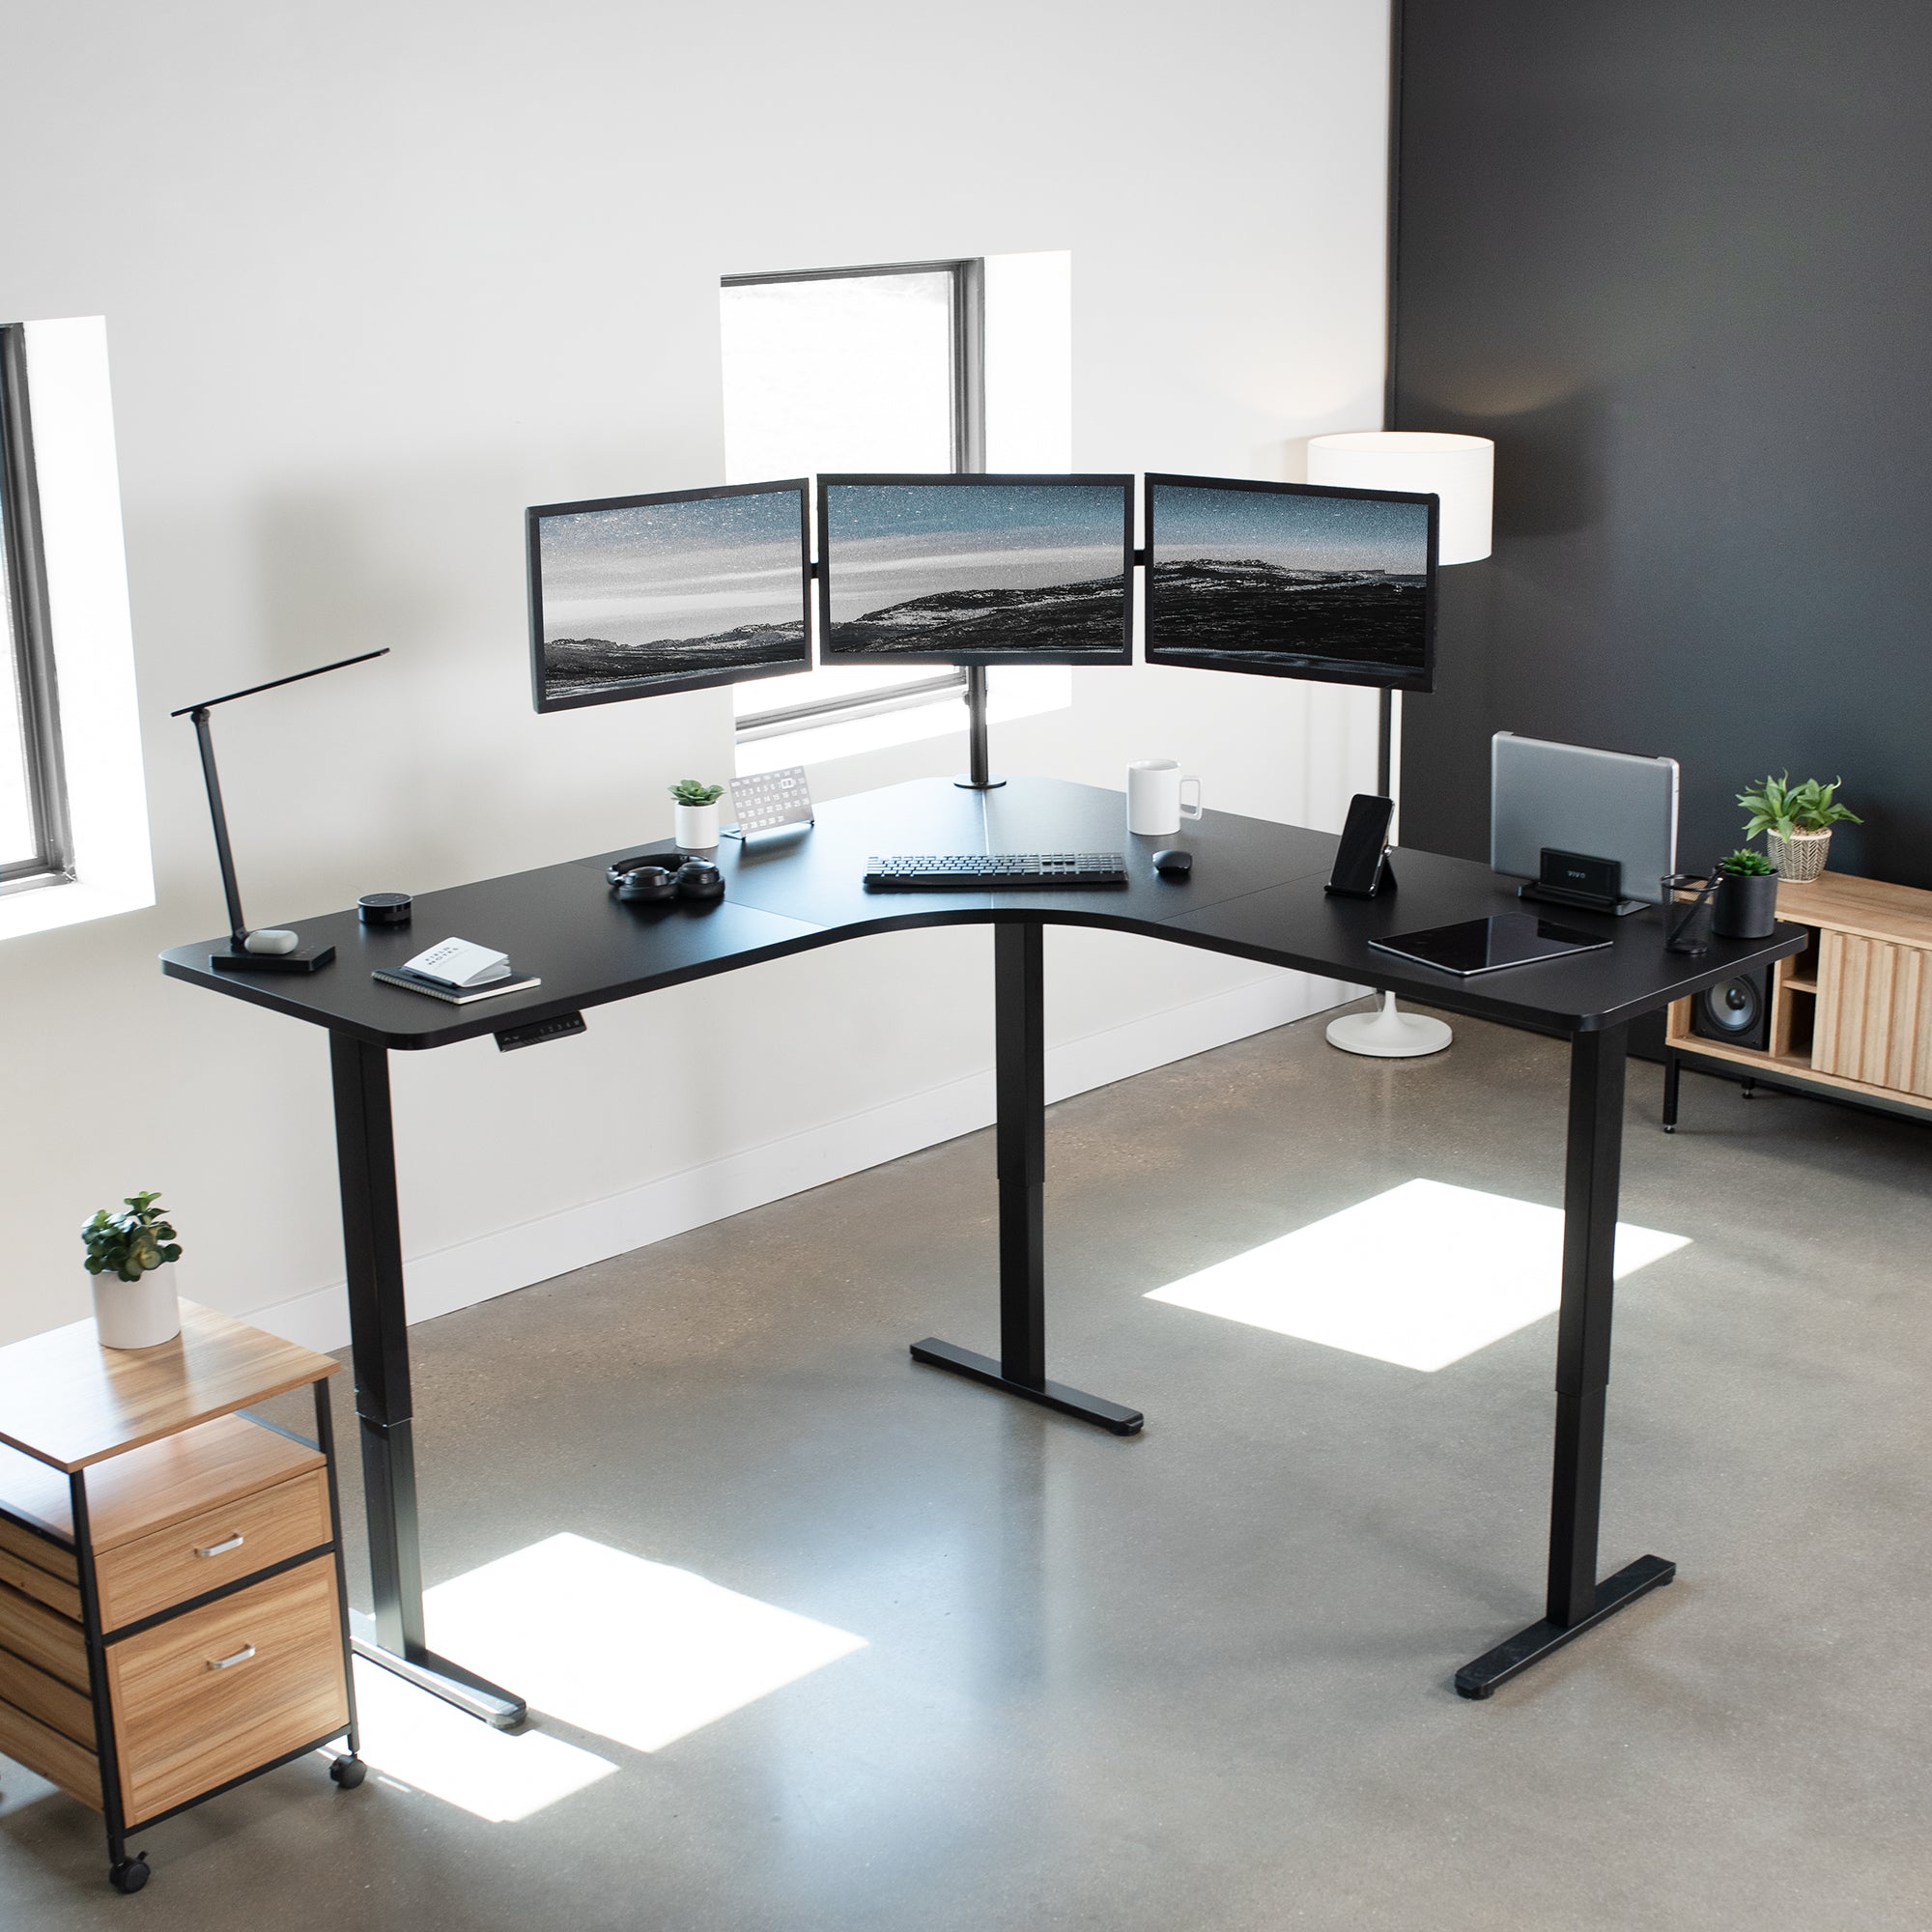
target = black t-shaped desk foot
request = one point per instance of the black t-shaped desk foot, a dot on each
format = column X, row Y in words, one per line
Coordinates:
column 1532, row 1645
column 1110, row 1415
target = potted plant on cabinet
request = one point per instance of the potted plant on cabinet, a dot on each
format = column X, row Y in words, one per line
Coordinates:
column 695, row 814
column 131, row 1257
column 1746, row 906
column 1796, row 821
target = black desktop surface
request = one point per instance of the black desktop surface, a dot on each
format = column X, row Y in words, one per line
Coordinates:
column 1256, row 891
column 1298, row 923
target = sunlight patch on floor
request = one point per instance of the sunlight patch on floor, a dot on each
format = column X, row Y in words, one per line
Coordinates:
column 631, row 1650
column 414, row 1739
column 1420, row 1276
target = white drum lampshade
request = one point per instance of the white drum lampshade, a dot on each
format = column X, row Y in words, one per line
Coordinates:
column 1457, row 468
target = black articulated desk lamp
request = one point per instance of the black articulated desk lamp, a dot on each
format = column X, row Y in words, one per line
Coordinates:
column 268, row 948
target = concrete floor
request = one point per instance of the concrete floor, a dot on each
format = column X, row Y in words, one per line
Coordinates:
column 1200, row 1679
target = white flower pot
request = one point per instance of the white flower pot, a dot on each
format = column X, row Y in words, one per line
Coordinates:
column 696, row 828
column 136, row 1314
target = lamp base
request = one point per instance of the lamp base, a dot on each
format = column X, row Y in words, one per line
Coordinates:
column 1387, row 1035
column 978, row 785
column 303, row 959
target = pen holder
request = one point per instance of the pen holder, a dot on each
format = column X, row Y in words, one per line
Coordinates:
column 1686, row 919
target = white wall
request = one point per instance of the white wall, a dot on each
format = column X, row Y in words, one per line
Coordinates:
column 375, row 277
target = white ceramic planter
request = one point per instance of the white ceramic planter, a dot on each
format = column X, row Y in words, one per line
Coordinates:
column 1801, row 858
column 696, row 828
column 136, row 1314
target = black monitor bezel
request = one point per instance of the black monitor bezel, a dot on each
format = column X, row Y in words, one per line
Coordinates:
column 678, row 681
column 1421, row 680
column 1124, row 483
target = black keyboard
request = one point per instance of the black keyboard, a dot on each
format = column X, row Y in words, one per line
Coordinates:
column 992, row 871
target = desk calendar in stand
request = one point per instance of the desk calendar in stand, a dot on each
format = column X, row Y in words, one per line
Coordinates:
column 771, row 801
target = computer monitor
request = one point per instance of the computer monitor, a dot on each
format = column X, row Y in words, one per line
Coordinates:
column 633, row 596
column 975, row 570
column 1291, row 580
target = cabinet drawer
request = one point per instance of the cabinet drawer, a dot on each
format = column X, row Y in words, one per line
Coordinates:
column 42, row 1636
column 183, row 1724
column 56, row 1757
column 169, row 1566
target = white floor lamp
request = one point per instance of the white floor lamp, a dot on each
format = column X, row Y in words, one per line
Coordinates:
column 1459, row 469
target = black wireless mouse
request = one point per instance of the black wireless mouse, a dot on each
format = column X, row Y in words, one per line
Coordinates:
column 1172, row 862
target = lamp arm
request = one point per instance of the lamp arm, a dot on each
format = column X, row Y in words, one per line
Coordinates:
column 238, row 930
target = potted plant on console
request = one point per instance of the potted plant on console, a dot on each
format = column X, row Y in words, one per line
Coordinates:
column 1797, row 822
column 696, row 815
column 1746, row 906
column 131, row 1257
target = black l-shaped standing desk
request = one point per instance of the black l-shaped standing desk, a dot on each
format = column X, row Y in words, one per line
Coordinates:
column 1256, row 891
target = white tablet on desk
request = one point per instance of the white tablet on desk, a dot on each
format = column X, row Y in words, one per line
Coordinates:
column 1473, row 946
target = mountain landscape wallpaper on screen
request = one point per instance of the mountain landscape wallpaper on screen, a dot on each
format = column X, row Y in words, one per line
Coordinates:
column 663, row 595
column 1268, row 581
column 979, row 571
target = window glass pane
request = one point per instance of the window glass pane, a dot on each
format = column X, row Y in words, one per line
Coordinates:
column 851, row 373
column 855, row 373
column 16, row 817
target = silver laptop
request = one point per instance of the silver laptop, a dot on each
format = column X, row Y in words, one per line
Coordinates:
column 1608, row 804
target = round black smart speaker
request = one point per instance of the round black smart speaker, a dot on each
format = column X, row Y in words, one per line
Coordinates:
column 383, row 908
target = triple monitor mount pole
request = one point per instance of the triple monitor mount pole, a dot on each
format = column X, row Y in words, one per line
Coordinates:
column 979, row 754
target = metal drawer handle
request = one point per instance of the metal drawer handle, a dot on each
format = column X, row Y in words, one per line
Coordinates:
column 242, row 1656
column 222, row 1549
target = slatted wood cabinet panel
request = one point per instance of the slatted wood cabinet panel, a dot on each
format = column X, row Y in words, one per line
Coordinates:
column 193, row 1634
column 1875, row 1013
column 1853, row 1013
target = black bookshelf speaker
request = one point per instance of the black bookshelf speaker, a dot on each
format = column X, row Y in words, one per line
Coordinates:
column 1736, row 1010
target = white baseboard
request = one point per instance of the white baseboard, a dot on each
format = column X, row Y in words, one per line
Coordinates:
column 532, row 1251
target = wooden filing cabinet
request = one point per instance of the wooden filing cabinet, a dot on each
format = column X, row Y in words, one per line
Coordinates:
column 173, row 1617
column 1851, row 1014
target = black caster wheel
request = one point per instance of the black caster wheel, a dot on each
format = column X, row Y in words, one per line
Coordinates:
column 129, row 1875
column 349, row 1772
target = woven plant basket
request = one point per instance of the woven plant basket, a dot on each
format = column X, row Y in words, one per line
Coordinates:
column 1801, row 858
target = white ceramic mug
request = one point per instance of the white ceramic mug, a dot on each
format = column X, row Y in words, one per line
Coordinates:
column 1154, row 806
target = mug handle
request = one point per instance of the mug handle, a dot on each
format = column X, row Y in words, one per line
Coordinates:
column 1191, row 810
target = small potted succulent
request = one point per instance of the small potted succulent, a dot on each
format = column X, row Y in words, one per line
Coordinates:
column 1746, row 906
column 1796, row 821
column 131, row 1257
column 696, row 815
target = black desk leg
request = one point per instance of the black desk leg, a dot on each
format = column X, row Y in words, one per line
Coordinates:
column 372, row 1244
column 1592, row 1169
column 1673, row 1075
column 1019, row 1076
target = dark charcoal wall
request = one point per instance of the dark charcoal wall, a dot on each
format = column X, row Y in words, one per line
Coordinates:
column 1677, row 261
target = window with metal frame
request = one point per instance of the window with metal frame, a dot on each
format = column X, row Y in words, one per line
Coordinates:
column 852, row 369
column 36, row 847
